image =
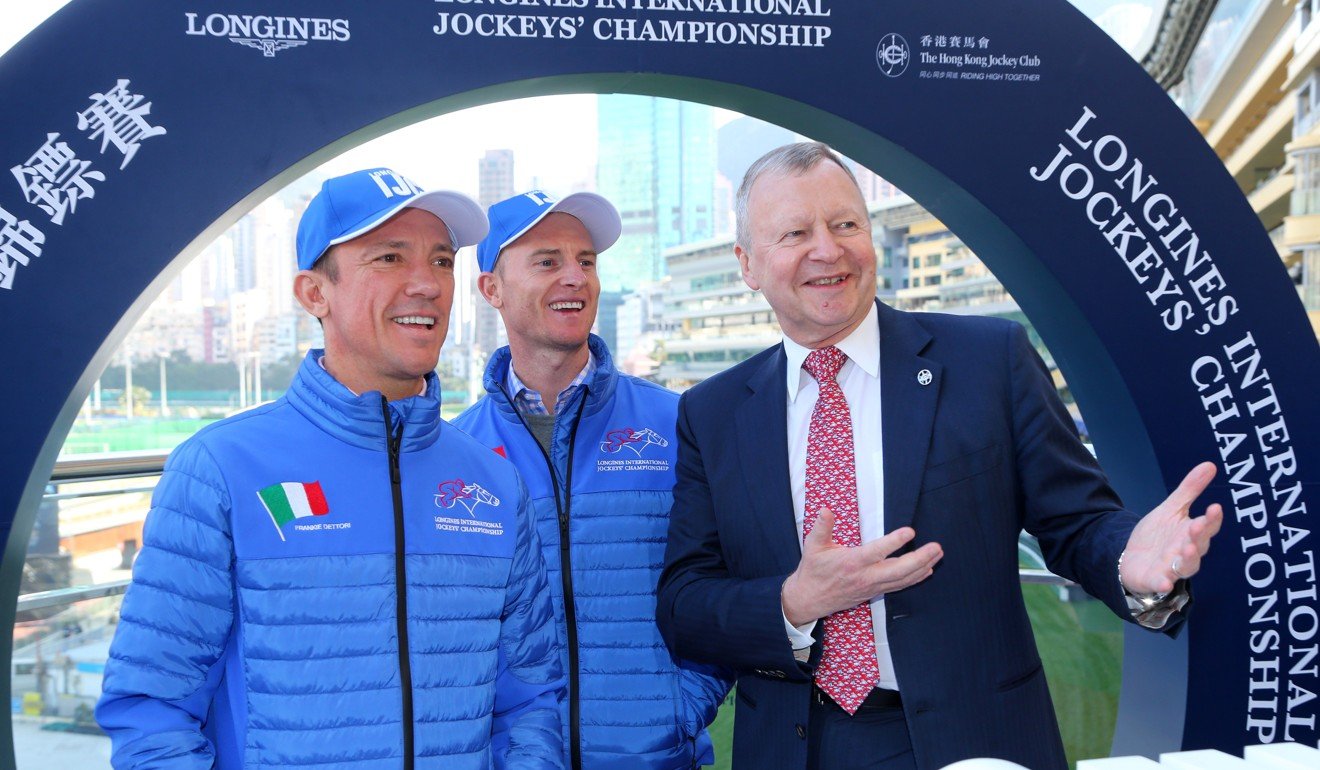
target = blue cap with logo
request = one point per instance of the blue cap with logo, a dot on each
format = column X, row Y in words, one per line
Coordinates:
column 353, row 204
column 511, row 218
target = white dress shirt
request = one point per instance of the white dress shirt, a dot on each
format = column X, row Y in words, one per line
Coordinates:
column 860, row 380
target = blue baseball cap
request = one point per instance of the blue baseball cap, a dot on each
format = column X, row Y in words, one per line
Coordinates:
column 348, row 206
column 511, row 218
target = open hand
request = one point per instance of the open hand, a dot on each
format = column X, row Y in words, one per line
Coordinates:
column 832, row 577
column 1167, row 544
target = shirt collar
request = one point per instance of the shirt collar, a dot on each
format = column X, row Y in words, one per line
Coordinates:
column 862, row 347
column 527, row 400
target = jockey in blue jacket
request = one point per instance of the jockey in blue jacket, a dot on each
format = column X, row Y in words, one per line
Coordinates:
column 340, row 578
column 595, row 449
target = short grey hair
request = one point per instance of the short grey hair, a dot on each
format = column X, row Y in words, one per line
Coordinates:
column 795, row 159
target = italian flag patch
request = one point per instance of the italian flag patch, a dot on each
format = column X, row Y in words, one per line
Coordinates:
column 293, row 500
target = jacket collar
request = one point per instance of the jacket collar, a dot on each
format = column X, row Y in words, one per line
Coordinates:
column 910, row 385
column 600, row 386
column 762, row 440
column 358, row 419
column 908, row 413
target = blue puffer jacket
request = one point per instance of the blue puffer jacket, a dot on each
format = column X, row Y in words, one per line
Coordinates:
column 255, row 638
column 603, row 519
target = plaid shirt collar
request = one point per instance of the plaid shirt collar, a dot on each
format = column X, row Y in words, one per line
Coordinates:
column 528, row 401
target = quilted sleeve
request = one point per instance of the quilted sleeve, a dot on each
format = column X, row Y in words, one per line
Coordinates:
column 166, row 657
column 526, row 732
column 704, row 687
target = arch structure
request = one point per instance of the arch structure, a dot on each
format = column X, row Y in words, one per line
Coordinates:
column 137, row 131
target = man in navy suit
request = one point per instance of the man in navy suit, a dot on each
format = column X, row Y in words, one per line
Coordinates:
column 912, row 449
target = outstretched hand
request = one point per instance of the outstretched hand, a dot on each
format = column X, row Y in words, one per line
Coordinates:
column 1167, row 544
column 833, row 577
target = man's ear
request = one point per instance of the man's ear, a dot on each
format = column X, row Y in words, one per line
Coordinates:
column 745, row 262
column 489, row 286
column 309, row 290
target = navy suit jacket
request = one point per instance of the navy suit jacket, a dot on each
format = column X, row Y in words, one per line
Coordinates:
column 981, row 452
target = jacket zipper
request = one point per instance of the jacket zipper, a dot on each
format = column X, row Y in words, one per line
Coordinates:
column 393, row 438
column 563, row 508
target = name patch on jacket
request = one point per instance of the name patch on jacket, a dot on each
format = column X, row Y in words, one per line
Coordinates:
column 289, row 501
column 632, row 449
column 471, row 519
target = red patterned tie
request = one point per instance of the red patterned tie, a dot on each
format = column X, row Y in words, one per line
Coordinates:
column 847, row 670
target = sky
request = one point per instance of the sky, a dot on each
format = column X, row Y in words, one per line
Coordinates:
column 560, row 155
column 1130, row 22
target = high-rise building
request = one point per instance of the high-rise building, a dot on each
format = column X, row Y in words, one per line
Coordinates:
column 643, row 325
column 218, row 269
column 215, row 334
column 494, row 184
column 275, row 229
column 243, row 236
column 494, row 177
column 656, row 163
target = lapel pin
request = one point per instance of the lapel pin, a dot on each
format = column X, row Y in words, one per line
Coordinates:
column 924, row 377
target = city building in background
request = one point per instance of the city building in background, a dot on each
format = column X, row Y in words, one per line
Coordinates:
column 664, row 163
column 942, row 274
column 711, row 320
column 475, row 328
column 677, row 323
column 716, row 321
column 225, row 319
column 223, row 334
column 1252, row 86
column 643, row 326
column 494, row 184
column 657, row 166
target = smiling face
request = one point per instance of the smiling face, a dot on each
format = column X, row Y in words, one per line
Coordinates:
column 386, row 315
column 809, row 252
column 546, row 287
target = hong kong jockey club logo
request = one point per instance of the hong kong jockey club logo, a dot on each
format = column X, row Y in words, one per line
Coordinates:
column 268, row 34
column 634, row 439
column 457, row 491
column 892, row 55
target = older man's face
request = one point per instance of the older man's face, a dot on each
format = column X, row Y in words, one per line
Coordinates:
column 810, row 253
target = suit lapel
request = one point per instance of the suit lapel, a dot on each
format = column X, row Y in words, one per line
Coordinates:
column 907, row 409
column 762, row 426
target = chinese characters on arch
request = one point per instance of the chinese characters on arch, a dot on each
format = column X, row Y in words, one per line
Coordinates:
column 57, row 175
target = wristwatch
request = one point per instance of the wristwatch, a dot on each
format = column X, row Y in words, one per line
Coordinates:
column 1153, row 610
column 1140, row 604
